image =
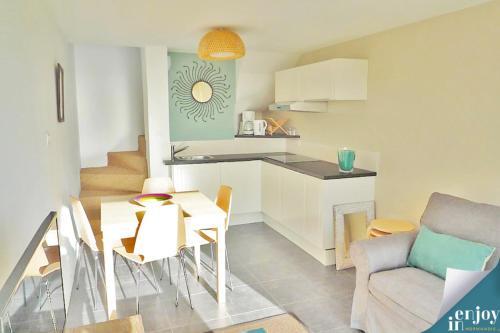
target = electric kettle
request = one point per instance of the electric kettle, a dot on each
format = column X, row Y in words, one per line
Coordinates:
column 259, row 127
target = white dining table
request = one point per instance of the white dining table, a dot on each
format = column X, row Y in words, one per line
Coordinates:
column 118, row 220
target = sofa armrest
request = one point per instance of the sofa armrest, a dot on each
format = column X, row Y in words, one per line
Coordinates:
column 382, row 253
column 374, row 255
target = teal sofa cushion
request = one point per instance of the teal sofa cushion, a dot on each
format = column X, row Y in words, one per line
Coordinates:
column 434, row 253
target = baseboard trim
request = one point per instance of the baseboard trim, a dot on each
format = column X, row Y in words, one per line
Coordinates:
column 326, row 257
column 245, row 218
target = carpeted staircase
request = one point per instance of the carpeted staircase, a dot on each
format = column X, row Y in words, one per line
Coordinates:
column 124, row 175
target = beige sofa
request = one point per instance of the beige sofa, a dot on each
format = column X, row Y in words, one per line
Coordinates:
column 392, row 297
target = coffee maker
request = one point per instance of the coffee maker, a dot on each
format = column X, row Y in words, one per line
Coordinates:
column 247, row 118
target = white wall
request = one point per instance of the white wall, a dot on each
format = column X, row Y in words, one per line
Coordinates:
column 40, row 162
column 110, row 105
column 155, row 83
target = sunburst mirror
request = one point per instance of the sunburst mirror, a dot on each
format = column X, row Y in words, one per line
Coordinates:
column 202, row 98
column 201, row 91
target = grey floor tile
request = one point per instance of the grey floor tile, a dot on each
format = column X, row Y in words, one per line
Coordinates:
column 244, row 299
column 321, row 314
column 270, row 276
column 155, row 318
column 165, row 330
column 205, row 309
column 206, row 326
column 292, row 289
column 257, row 314
column 240, row 276
column 340, row 330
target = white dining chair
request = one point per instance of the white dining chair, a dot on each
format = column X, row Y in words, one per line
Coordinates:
column 92, row 241
column 209, row 236
column 161, row 234
column 158, row 185
column 45, row 261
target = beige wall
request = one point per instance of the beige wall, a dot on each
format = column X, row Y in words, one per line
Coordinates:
column 433, row 111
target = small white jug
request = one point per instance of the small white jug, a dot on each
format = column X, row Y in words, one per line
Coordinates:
column 259, row 127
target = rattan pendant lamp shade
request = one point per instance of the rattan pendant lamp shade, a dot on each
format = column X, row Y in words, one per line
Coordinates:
column 221, row 44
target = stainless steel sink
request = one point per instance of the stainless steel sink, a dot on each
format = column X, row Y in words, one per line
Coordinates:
column 194, row 157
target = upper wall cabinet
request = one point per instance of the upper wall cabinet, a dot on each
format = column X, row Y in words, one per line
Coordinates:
column 335, row 79
column 286, row 86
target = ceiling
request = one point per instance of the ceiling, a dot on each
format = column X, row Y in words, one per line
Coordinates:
column 265, row 25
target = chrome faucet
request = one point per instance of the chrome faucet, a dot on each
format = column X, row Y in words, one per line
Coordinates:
column 174, row 151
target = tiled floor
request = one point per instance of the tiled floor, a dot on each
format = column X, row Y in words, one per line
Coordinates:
column 29, row 309
column 270, row 276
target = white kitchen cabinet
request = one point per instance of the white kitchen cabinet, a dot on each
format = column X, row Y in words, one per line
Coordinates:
column 300, row 207
column 350, row 79
column 203, row 177
column 271, row 190
column 316, row 82
column 244, row 178
column 302, row 200
column 330, row 80
column 314, row 213
column 294, row 199
column 286, row 85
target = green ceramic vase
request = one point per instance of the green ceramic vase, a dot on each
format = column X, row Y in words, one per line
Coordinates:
column 346, row 159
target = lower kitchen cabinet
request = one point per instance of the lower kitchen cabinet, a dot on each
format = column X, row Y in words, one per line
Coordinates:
column 203, row 177
column 313, row 224
column 293, row 200
column 243, row 177
column 300, row 207
column 271, row 190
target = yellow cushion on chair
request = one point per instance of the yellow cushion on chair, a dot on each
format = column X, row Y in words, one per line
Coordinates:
column 210, row 235
column 127, row 250
column 377, row 233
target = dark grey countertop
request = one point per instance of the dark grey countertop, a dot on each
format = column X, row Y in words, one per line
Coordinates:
column 319, row 169
column 274, row 136
column 226, row 158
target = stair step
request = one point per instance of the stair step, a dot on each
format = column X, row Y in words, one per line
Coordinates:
column 105, row 193
column 95, row 224
column 128, row 159
column 91, row 201
column 111, row 178
column 124, row 175
column 142, row 144
column 111, row 170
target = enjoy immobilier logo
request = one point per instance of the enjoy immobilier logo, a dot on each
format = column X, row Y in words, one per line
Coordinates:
column 477, row 320
column 477, row 311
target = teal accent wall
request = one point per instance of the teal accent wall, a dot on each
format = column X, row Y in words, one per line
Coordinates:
column 192, row 120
